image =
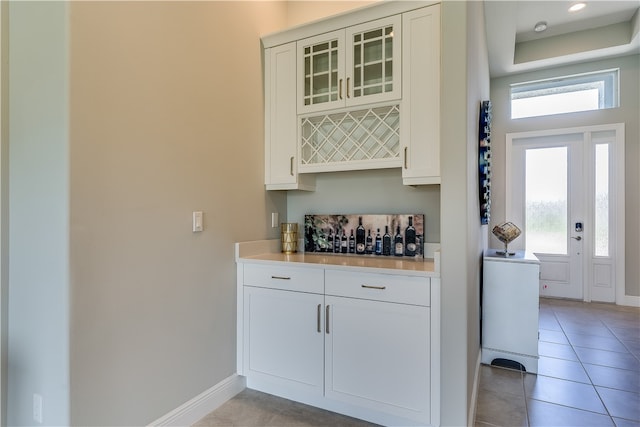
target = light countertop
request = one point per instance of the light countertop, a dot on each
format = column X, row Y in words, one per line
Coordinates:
column 267, row 251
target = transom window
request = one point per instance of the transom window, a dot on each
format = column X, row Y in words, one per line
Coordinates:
column 568, row 94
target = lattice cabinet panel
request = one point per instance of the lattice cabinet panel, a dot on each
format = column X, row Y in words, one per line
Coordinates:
column 369, row 137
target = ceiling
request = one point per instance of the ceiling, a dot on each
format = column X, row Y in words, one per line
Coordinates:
column 603, row 29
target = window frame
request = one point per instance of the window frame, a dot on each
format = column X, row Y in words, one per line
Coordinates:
column 607, row 82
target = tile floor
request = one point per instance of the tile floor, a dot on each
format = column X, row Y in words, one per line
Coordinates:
column 589, row 375
column 588, row 372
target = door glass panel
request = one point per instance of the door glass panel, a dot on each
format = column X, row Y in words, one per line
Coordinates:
column 321, row 73
column 373, row 51
column 546, row 200
column 373, row 62
column 601, row 247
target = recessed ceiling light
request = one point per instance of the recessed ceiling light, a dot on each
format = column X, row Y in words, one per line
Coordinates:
column 540, row 26
column 576, row 7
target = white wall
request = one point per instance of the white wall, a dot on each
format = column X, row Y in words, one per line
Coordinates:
column 38, row 345
column 477, row 90
column 465, row 82
column 628, row 113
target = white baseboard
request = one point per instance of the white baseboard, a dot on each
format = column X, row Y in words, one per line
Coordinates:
column 204, row 403
column 474, row 394
column 630, row 301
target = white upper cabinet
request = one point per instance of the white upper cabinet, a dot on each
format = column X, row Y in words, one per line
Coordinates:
column 281, row 143
column 420, row 115
column 355, row 66
column 357, row 91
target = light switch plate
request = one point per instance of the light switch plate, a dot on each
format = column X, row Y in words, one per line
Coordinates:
column 197, row 222
column 274, row 219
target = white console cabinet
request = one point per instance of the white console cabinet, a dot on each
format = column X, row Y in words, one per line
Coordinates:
column 510, row 308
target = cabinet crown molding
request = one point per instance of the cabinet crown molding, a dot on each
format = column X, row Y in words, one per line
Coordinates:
column 343, row 20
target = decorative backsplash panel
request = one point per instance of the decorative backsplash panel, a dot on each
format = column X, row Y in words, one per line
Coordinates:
column 366, row 235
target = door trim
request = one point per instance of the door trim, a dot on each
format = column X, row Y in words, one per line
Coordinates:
column 618, row 195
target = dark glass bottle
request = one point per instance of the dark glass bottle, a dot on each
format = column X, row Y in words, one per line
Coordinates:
column 330, row 241
column 344, row 244
column 352, row 243
column 398, row 244
column 368, row 247
column 378, row 243
column 410, row 239
column 386, row 242
column 360, row 239
column 336, row 243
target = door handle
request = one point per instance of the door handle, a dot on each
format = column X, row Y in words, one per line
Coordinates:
column 326, row 320
column 577, row 238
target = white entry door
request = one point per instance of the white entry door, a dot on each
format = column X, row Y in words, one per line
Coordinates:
column 562, row 193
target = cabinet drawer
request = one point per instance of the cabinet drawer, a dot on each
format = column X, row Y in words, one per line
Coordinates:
column 379, row 287
column 284, row 277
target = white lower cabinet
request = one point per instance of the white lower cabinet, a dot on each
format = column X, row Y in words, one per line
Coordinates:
column 362, row 347
column 284, row 338
column 377, row 356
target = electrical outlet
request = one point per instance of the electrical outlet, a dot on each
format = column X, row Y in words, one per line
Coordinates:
column 37, row 408
column 274, row 219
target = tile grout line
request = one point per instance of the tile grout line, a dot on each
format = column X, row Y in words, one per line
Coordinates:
column 583, row 368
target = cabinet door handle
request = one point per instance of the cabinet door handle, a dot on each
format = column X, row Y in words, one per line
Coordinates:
column 405, row 157
column 340, row 88
column 281, row 277
column 380, row 288
column 319, row 320
column 291, row 166
column 326, row 319
column 348, row 78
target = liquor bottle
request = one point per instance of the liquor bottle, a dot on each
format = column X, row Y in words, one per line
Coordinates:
column 344, row 244
column 410, row 239
column 330, row 241
column 352, row 243
column 360, row 239
column 398, row 245
column 378, row 243
column 386, row 242
column 336, row 243
column 368, row 247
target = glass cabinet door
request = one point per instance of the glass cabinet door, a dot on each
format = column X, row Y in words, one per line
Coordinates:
column 321, row 72
column 373, row 61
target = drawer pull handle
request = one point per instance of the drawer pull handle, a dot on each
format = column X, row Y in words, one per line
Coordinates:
column 380, row 288
column 326, row 319
column 281, row 277
column 319, row 320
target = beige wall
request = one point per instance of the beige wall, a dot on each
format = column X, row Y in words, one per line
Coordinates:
column 4, row 206
column 166, row 115
column 628, row 113
column 300, row 12
column 159, row 114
